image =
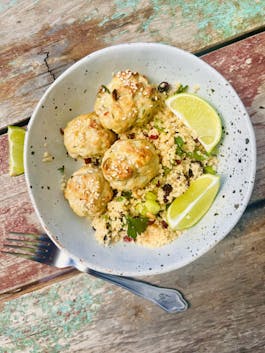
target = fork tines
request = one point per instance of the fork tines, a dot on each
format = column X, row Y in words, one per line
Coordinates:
column 26, row 245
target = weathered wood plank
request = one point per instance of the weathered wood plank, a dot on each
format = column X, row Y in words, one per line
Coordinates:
column 39, row 40
column 243, row 65
column 225, row 288
column 16, row 212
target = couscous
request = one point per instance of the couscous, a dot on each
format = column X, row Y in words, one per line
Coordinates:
column 147, row 159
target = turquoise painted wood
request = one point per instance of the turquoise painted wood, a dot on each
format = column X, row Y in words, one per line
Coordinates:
column 40, row 39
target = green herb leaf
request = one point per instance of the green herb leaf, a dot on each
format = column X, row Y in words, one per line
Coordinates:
column 179, row 151
column 126, row 194
column 209, row 169
column 120, row 198
column 181, row 89
column 105, row 88
column 61, row 169
column 197, row 156
column 166, row 170
column 179, row 141
column 136, row 225
column 160, row 129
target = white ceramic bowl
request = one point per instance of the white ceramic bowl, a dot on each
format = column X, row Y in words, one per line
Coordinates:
column 73, row 93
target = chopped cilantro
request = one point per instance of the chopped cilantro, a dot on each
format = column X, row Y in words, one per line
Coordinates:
column 160, row 129
column 214, row 152
column 120, row 198
column 179, row 151
column 179, row 141
column 105, row 88
column 126, row 194
column 61, row 169
column 158, row 125
column 209, row 169
column 197, row 156
column 181, row 89
column 166, row 170
column 136, row 225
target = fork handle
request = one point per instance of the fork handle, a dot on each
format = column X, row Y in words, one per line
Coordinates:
column 170, row 300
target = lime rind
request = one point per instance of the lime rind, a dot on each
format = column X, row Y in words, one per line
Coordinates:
column 16, row 137
column 184, row 213
column 209, row 141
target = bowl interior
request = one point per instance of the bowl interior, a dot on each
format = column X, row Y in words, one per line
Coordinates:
column 73, row 94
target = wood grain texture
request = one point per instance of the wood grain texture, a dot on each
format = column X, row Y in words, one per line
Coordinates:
column 243, row 65
column 16, row 212
column 40, row 39
column 225, row 289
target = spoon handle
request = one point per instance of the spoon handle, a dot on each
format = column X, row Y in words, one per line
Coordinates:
column 170, row 300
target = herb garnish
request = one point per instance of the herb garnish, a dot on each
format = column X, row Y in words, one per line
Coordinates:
column 136, row 225
column 61, row 169
column 126, row 194
column 197, row 156
column 166, row 170
column 120, row 198
column 105, row 88
column 209, row 169
column 179, row 142
column 181, row 89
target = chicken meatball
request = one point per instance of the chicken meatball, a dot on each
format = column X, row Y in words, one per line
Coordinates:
column 130, row 164
column 88, row 192
column 85, row 137
column 127, row 100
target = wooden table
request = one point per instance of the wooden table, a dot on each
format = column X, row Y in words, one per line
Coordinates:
column 47, row 310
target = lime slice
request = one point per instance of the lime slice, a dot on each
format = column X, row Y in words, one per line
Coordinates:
column 188, row 209
column 198, row 115
column 16, row 136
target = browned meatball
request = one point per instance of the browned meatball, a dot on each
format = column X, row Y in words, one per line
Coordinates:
column 130, row 164
column 88, row 192
column 85, row 137
column 126, row 101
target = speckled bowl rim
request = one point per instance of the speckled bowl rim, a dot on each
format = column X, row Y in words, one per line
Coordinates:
column 201, row 251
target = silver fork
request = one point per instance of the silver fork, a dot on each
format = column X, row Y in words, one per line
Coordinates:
column 40, row 248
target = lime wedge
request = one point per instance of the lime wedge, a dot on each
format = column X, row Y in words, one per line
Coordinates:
column 16, row 136
column 198, row 115
column 188, row 209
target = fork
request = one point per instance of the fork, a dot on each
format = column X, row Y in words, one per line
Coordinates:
column 41, row 249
